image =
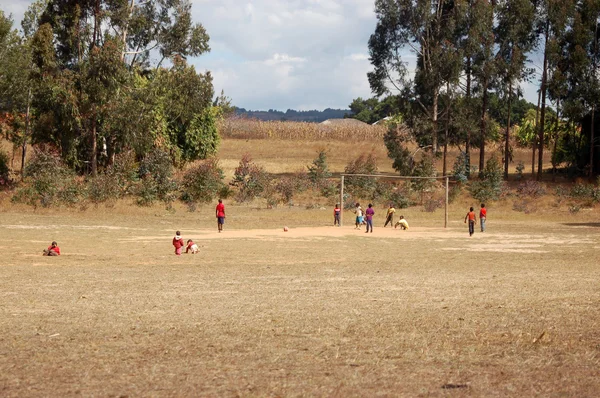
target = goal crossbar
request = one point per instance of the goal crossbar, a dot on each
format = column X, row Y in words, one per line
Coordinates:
column 446, row 178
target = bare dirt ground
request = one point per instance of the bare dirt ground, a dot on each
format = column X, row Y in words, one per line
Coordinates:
column 316, row 311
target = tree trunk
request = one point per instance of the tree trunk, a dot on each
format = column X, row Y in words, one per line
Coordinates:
column 484, row 106
column 27, row 127
column 556, row 138
column 468, row 142
column 543, row 110
column 592, row 143
column 507, row 137
column 434, row 119
column 94, row 139
column 533, row 142
column 126, row 29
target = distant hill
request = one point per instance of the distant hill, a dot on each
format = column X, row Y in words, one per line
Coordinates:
column 293, row 115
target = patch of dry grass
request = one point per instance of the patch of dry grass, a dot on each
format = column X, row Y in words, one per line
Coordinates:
column 318, row 311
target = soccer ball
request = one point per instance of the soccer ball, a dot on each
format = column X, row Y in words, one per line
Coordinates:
column 285, row 229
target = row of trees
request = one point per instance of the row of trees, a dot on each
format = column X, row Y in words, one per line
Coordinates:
column 473, row 52
column 93, row 78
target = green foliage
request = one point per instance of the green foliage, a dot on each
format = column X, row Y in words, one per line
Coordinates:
column 203, row 182
column 424, row 168
column 396, row 140
column 4, row 169
column 157, row 182
column 319, row 170
column 491, row 184
column 460, row 170
column 250, row 179
column 361, row 186
column 45, row 177
column 287, row 187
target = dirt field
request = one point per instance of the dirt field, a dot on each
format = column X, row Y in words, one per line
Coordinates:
column 316, row 311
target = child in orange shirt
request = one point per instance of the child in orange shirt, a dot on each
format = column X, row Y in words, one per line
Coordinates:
column 472, row 221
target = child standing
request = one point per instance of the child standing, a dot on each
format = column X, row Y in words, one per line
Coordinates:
column 390, row 216
column 359, row 215
column 336, row 215
column 191, row 246
column 370, row 213
column 472, row 221
column 220, row 213
column 178, row 243
column 482, row 217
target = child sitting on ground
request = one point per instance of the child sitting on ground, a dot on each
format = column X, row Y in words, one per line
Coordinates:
column 52, row 250
column 178, row 243
column 402, row 223
column 191, row 246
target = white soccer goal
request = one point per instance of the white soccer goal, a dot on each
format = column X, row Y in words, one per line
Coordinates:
column 447, row 178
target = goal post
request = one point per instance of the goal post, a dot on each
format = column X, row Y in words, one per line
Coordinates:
column 446, row 186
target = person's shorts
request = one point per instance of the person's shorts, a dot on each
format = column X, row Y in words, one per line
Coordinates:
column 221, row 220
column 359, row 220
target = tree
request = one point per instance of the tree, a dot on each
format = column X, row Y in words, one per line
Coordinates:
column 90, row 94
column 515, row 38
column 427, row 28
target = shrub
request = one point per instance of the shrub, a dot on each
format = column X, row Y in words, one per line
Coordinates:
column 531, row 189
column 318, row 172
column 361, row 186
column 250, row 179
column 424, row 168
column 520, row 170
column 71, row 193
column 203, row 182
column 45, row 176
column 459, row 170
column 289, row 186
column 157, row 183
column 4, row 169
column 432, row 205
column 491, row 185
column 526, row 206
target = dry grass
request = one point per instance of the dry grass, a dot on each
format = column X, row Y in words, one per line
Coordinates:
column 241, row 128
column 316, row 311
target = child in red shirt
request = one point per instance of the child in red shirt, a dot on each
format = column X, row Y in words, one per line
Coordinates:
column 191, row 246
column 220, row 213
column 52, row 250
column 472, row 221
column 336, row 215
column 178, row 243
column 482, row 217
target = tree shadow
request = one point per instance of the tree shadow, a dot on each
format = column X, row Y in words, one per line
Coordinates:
column 583, row 224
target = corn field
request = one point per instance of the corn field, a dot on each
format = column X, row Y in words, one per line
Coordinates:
column 240, row 128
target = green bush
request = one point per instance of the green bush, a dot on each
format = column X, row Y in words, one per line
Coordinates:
column 45, row 176
column 157, row 182
column 203, row 182
column 250, row 179
column 4, row 169
column 491, row 185
column 531, row 189
column 362, row 187
column 288, row 186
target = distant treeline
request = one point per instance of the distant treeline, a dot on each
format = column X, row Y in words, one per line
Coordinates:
column 293, row 115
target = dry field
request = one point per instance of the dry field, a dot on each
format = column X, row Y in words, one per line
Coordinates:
column 316, row 311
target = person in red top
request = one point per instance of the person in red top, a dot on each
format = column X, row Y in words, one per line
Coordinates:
column 52, row 250
column 472, row 221
column 482, row 217
column 178, row 243
column 336, row 215
column 220, row 214
column 191, row 246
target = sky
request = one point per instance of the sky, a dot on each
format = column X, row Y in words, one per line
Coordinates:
column 285, row 54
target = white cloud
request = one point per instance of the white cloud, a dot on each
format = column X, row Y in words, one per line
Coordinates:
column 284, row 53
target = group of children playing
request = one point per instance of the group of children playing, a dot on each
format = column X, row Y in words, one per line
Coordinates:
column 190, row 246
column 367, row 219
